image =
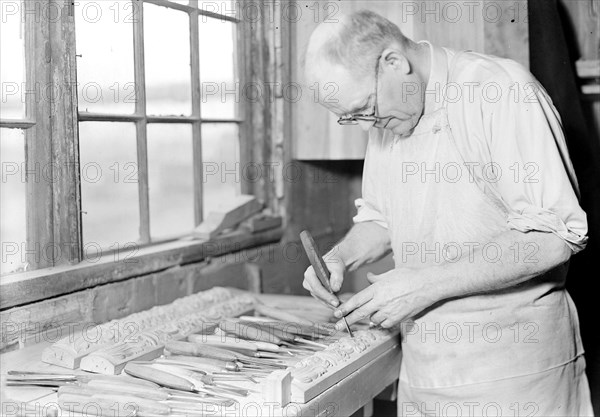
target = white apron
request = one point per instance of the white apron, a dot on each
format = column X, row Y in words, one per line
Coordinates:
column 515, row 352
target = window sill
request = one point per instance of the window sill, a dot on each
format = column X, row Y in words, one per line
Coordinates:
column 27, row 287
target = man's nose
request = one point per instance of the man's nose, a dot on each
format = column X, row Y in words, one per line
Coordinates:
column 364, row 125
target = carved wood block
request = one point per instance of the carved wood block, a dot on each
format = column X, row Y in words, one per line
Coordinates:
column 65, row 357
column 111, row 365
column 149, row 345
column 313, row 375
column 277, row 387
column 69, row 351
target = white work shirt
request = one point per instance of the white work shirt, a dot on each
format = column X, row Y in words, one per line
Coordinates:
column 510, row 136
column 491, row 115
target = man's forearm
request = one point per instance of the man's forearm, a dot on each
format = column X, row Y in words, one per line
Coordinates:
column 365, row 242
column 512, row 258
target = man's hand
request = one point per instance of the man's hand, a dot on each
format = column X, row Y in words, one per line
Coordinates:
column 336, row 267
column 391, row 298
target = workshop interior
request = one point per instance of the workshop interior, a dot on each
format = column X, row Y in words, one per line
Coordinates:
column 172, row 179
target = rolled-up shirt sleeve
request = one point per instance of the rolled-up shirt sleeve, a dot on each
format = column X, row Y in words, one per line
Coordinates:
column 532, row 170
column 367, row 206
column 368, row 213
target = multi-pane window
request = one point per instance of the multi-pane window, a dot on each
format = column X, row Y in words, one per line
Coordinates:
column 156, row 126
column 15, row 121
column 153, row 128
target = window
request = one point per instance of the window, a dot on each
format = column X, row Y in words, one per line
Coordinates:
column 20, row 175
column 102, row 166
column 152, row 142
column 156, row 131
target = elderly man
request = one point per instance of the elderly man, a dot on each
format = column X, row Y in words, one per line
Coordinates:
column 467, row 180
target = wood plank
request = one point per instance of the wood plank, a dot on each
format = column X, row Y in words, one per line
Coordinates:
column 64, row 131
column 27, row 287
column 39, row 206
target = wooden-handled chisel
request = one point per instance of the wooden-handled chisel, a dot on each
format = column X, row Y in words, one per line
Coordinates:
column 319, row 266
column 194, row 349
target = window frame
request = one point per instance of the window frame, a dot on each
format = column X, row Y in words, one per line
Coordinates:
column 55, row 221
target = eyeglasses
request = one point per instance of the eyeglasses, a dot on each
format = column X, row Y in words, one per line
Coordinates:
column 371, row 117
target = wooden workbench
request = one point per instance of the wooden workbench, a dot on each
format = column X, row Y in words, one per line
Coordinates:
column 342, row 399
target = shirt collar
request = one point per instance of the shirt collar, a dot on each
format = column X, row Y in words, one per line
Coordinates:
column 438, row 78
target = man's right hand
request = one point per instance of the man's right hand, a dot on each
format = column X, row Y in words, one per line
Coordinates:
column 336, row 267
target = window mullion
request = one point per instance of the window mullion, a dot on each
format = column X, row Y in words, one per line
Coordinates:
column 141, row 124
column 66, row 195
column 39, row 207
column 196, row 113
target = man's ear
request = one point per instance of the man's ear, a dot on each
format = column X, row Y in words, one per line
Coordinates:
column 395, row 60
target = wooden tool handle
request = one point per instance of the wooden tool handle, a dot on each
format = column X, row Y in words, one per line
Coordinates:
column 210, row 362
column 126, row 388
column 280, row 315
column 142, row 405
column 192, row 349
column 287, row 331
column 117, row 379
column 162, row 378
column 315, row 259
column 76, row 390
column 89, row 405
column 220, row 341
column 249, row 331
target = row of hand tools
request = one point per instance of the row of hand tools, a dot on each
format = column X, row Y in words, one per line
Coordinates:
column 206, row 371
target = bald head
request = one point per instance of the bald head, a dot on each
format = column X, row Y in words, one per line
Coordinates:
column 354, row 44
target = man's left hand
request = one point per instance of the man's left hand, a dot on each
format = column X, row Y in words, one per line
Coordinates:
column 391, row 298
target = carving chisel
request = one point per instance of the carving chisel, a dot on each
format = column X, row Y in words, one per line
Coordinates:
column 212, row 364
column 281, row 315
column 283, row 332
column 319, row 266
column 214, row 372
column 192, row 349
column 200, row 380
column 57, row 379
column 235, row 342
column 156, row 394
column 249, row 331
column 165, row 379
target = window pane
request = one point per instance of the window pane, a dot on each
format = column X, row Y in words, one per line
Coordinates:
column 104, row 31
column 217, row 74
column 221, row 164
column 109, row 185
column 167, row 53
column 12, row 200
column 12, row 62
column 171, row 180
